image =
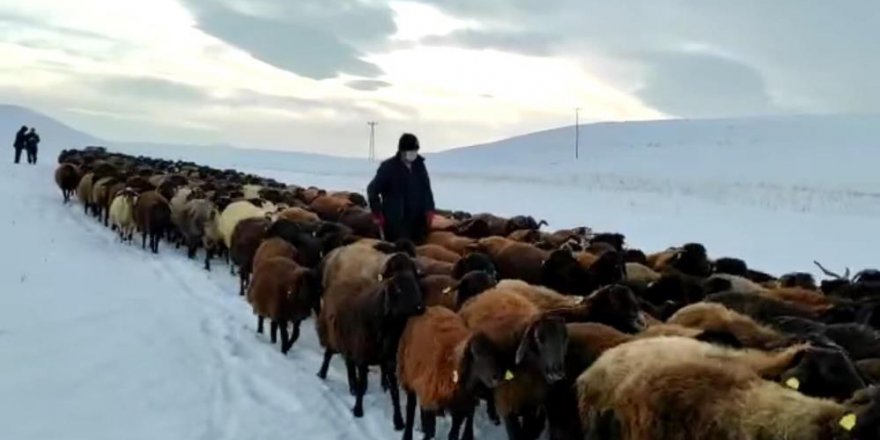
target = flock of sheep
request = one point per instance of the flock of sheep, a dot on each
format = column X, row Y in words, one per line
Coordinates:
column 569, row 332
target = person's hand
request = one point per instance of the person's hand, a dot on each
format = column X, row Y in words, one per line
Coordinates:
column 430, row 217
column 379, row 220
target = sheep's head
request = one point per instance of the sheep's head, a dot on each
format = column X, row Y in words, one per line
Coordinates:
column 692, row 260
column 803, row 280
column 635, row 256
column 480, row 364
column 544, row 345
column 473, row 284
column 863, row 418
column 562, row 272
column 730, row 266
column 609, row 268
column 616, row 306
column 402, row 294
column 614, row 239
column 475, row 261
column 825, row 372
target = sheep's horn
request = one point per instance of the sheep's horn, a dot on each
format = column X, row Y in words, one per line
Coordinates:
column 830, row 273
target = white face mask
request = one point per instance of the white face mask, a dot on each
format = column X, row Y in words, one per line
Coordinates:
column 410, row 156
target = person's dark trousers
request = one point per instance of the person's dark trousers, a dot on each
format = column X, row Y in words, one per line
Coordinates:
column 32, row 156
column 18, row 155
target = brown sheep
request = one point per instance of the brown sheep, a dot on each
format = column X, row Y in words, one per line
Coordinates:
column 449, row 240
column 363, row 259
column 446, row 291
column 152, row 215
column 67, row 177
column 438, row 253
column 84, row 191
column 360, row 220
column 273, row 248
column 199, row 227
column 329, row 207
column 716, row 317
column 283, row 291
column 430, row 266
column 810, row 299
column 534, row 345
column 299, row 215
column 440, row 364
column 646, row 387
column 362, row 318
column 101, row 198
column 531, row 236
column 521, row 261
column 246, row 238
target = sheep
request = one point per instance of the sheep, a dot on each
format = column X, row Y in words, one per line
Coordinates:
column 234, row 213
column 802, row 280
column 438, row 253
column 283, row 291
column 810, row 299
column 760, row 308
column 100, row 195
column 646, row 386
column 531, row 343
column 690, row 259
column 721, row 282
column 273, row 248
column 308, row 246
column 446, row 291
column 122, row 214
column 449, row 240
column 716, row 317
column 360, row 260
column 251, row 191
column 246, row 238
column 199, row 227
column 430, row 266
column 153, row 217
column 299, row 215
column 362, row 319
column 67, row 177
column 474, row 261
column 440, row 365
column 329, row 207
column 360, row 220
column 84, row 191
column 640, row 274
column 730, row 266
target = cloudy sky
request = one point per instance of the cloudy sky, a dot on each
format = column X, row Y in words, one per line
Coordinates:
column 309, row 74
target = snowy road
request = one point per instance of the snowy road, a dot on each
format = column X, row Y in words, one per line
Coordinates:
column 100, row 340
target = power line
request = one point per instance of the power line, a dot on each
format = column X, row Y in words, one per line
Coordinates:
column 372, row 153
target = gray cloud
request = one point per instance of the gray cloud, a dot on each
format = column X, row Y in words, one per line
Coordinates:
column 312, row 38
column 811, row 55
column 715, row 86
column 368, row 85
column 147, row 88
column 532, row 43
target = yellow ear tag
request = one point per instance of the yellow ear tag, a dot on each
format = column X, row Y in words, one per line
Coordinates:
column 455, row 377
column 848, row 422
column 447, row 290
column 508, row 375
column 793, row 383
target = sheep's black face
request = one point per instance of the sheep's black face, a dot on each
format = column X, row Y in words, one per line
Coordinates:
column 618, row 307
column 692, row 260
column 798, row 279
column 824, row 372
column 635, row 256
column 403, row 296
column 544, row 345
column 482, row 363
column 561, row 272
column 475, row 261
column 473, row 284
column 865, row 405
column 609, row 269
column 730, row 266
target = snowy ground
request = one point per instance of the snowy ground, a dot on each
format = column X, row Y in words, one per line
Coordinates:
column 100, row 340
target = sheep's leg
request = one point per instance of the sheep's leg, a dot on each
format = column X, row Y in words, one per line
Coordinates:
column 429, row 424
column 362, row 372
column 387, row 372
column 285, row 342
column 469, row 424
column 490, row 409
column 208, row 254
column 410, row 415
column 459, row 416
column 294, row 335
column 242, row 282
column 274, row 331
column 513, row 427
column 259, row 324
column 352, row 377
column 325, row 365
column 144, row 241
column 533, row 424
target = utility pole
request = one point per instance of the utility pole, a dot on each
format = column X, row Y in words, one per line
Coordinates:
column 577, row 132
column 372, row 154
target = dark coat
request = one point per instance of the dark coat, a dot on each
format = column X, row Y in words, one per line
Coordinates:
column 20, row 139
column 31, row 140
column 403, row 196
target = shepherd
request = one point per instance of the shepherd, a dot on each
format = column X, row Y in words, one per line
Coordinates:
column 400, row 194
column 20, row 142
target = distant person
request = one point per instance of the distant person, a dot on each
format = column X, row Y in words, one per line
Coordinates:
column 32, row 141
column 20, row 142
column 400, row 195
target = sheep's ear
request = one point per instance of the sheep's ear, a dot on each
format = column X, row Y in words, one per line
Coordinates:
column 385, row 247
column 524, row 343
column 480, row 347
